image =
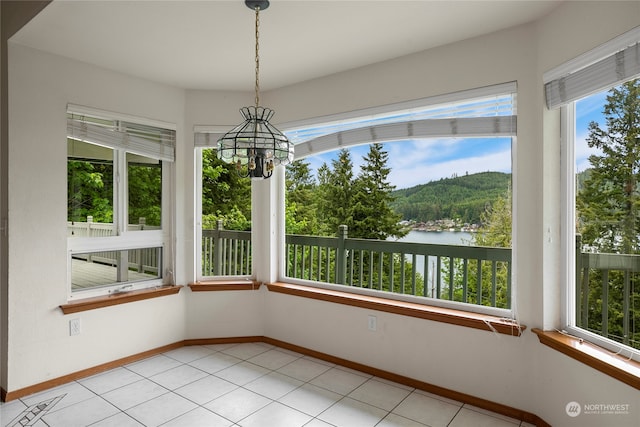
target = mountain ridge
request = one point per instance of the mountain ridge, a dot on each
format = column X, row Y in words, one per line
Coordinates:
column 459, row 197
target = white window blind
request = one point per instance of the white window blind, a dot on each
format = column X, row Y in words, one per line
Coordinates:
column 429, row 128
column 207, row 137
column 481, row 112
column 145, row 140
column 609, row 65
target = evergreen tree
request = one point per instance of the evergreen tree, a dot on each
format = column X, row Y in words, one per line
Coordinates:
column 608, row 212
column 608, row 201
column 496, row 221
column 337, row 193
column 495, row 232
column 373, row 217
column 301, row 209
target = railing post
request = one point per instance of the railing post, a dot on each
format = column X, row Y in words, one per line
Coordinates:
column 578, row 282
column 217, row 249
column 88, row 233
column 341, row 256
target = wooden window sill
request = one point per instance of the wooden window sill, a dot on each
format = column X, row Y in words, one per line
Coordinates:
column 224, row 285
column 120, row 298
column 438, row 314
column 614, row 365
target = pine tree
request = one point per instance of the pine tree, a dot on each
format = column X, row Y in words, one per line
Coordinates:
column 495, row 232
column 301, row 207
column 608, row 203
column 336, row 191
column 373, row 217
column 608, row 212
column 496, row 222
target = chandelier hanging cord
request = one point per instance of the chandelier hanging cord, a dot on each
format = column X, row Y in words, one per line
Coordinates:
column 257, row 86
column 255, row 143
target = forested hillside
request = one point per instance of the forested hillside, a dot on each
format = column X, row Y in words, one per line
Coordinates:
column 464, row 197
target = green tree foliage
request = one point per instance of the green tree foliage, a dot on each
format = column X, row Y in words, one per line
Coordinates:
column 373, row 216
column 145, row 193
column 225, row 195
column 607, row 207
column 608, row 201
column 361, row 203
column 496, row 223
column 336, row 191
column 301, row 209
column 89, row 191
column 495, row 232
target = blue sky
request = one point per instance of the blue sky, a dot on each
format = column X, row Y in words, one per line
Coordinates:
column 415, row 162
column 587, row 110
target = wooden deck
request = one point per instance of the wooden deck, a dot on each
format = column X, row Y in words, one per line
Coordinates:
column 90, row 274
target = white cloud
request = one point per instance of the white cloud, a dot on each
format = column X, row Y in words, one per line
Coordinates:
column 421, row 173
column 414, row 162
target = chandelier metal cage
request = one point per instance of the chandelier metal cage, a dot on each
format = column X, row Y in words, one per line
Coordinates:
column 255, row 145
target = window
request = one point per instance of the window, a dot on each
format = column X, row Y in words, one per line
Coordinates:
column 118, row 210
column 344, row 230
column 223, row 212
column 599, row 94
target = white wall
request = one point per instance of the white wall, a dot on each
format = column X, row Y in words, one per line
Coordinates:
column 458, row 358
column 518, row 372
column 41, row 85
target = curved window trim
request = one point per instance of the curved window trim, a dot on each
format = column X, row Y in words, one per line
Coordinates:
column 368, row 113
column 373, row 112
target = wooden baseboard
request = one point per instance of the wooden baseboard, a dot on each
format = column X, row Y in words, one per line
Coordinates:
column 233, row 340
column 16, row 394
column 441, row 391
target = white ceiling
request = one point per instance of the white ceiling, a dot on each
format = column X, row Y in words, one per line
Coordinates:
column 210, row 44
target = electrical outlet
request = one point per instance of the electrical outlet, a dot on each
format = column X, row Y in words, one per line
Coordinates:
column 373, row 323
column 75, row 327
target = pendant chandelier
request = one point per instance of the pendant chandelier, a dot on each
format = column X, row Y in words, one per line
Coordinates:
column 255, row 145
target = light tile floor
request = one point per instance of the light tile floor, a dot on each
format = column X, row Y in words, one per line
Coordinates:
column 248, row 385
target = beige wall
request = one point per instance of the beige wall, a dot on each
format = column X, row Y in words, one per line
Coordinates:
column 40, row 348
column 518, row 372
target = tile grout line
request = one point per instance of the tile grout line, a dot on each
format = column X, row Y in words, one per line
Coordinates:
column 247, row 354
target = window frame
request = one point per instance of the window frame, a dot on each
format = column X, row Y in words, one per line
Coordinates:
column 568, row 247
column 374, row 112
column 205, row 138
column 596, row 72
column 125, row 239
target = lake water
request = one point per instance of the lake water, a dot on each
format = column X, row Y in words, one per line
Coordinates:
column 461, row 238
column 439, row 237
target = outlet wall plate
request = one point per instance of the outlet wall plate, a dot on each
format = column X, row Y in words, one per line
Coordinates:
column 75, row 327
column 372, row 323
